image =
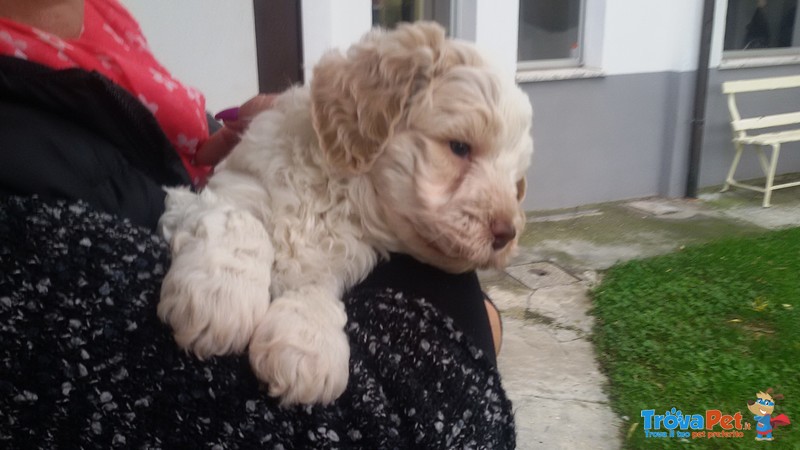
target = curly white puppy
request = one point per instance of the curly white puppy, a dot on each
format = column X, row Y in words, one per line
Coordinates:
column 408, row 143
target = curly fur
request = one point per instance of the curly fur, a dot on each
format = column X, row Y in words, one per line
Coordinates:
column 331, row 179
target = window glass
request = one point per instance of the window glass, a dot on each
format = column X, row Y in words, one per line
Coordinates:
column 388, row 13
column 761, row 27
column 550, row 32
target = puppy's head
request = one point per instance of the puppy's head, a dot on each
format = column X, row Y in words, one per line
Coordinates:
column 444, row 139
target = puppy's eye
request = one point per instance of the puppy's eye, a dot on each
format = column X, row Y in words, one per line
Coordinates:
column 460, row 149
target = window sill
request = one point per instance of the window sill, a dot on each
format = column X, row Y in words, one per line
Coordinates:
column 762, row 61
column 571, row 73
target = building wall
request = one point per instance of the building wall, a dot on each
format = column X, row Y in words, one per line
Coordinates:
column 646, row 36
column 624, row 133
column 628, row 136
column 608, row 138
column 329, row 24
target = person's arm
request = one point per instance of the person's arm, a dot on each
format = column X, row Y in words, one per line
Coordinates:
column 221, row 142
column 496, row 324
column 458, row 296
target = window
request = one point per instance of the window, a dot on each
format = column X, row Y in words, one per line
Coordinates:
column 550, row 33
column 388, row 13
column 761, row 28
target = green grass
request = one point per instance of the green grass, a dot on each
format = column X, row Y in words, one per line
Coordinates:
column 704, row 328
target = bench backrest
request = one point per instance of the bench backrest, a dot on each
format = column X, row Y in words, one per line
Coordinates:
column 740, row 125
column 760, row 84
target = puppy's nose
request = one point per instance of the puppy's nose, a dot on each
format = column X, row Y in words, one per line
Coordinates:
column 503, row 233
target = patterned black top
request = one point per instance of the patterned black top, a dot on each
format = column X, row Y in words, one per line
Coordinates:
column 85, row 362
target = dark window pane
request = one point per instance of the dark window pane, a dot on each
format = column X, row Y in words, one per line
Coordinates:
column 388, row 13
column 761, row 24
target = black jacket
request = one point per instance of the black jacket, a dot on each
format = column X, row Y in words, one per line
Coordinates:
column 80, row 371
column 74, row 134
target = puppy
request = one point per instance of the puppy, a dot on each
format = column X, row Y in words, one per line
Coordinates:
column 407, row 143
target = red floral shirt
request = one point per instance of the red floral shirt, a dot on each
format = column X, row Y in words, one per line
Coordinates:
column 112, row 43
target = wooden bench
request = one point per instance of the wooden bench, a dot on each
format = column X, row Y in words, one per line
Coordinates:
column 762, row 132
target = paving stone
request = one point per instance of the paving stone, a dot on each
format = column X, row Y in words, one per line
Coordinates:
column 772, row 217
column 556, row 389
column 662, row 208
column 541, row 274
column 547, row 360
column 566, row 305
column 565, row 216
column 581, row 254
column 491, row 275
column 654, row 207
column 508, row 294
column 566, row 425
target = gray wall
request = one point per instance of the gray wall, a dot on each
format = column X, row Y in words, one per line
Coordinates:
column 627, row 136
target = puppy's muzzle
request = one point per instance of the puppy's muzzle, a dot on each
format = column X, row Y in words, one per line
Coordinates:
column 503, row 233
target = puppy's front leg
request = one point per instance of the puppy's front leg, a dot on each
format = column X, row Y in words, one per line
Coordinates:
column 217, row 288
column 300, row 350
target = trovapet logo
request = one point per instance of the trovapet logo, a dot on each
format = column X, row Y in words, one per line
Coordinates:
column 762, row 409
column 714, row 424
column 675, row 424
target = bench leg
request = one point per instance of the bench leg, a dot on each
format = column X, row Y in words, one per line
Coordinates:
column 773, row 164
column 762, row 159
column 729, row 179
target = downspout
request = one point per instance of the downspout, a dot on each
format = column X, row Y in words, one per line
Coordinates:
column 700, row 94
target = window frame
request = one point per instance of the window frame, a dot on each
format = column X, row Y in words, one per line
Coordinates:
column 760, row 53
column 739, row 55
column 575, row 61
column 443, row 12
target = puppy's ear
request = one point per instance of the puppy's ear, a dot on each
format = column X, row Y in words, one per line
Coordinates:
column 522, row 185
column 357, row 99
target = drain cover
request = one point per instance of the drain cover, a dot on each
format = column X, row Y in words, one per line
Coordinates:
column 540, row 275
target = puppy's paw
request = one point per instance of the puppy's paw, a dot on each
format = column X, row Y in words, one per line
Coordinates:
column 217, row 288
column 301, row 351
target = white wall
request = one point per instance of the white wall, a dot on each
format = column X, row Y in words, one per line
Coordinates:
column 331, row 24
column 497, row 24
column 644, row 36
column 210, row 44
column 327, row 24
column 718, row 35
column 207, row 44
column 622, row 36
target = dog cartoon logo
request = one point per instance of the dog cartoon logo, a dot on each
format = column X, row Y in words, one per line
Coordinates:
column 762, row 410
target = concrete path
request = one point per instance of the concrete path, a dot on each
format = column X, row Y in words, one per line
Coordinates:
column 547, row 361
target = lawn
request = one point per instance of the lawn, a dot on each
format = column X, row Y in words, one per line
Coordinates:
column 700, row 330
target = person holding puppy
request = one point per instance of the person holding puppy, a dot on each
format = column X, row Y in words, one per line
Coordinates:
column 84, row 154
column 124, row 83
